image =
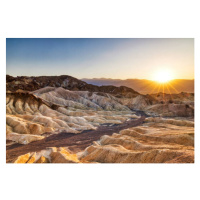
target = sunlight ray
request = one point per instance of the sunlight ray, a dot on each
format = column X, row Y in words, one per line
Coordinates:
column 169, row 92
column 173, row 87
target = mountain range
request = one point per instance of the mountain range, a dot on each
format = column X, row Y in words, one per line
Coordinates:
column 146, row 86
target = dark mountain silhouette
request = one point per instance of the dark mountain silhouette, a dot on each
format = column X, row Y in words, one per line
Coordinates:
column 34, row 83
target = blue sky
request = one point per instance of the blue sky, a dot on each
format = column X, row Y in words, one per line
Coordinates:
column 97, row 58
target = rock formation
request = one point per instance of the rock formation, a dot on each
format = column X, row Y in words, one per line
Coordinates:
column 34, row 83
column 154, row 142
column 49, row 155
column 56, row 110
column 40, row 108
column 151, row 143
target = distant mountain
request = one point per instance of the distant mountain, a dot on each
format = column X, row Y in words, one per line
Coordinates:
column 147, row 86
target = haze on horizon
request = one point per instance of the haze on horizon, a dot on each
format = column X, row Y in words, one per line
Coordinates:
column 100, row 58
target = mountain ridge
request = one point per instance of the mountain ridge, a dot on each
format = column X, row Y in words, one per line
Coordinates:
column 146, row 86
column 68, row 82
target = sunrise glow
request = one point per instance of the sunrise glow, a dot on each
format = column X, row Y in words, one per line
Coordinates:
column 163, row 76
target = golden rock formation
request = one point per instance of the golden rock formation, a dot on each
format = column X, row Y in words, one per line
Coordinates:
column 151, row 143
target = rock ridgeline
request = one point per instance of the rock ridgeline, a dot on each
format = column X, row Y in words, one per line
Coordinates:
column 53, row 110
column 154, row 142
column 67, row 82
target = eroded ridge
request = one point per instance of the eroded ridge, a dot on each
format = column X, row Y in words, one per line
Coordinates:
column 29, row 116
column 150, row 143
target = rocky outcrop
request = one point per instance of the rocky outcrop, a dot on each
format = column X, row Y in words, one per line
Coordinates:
column 176, row 122
column 171, row 110
column 174, row 98
column 151, row 143
column 68, row 91
column 53, row 110
column 161, row 141
column 63, row 156
column 79, row 99
column 23, row 138
column 141, row 102
column 23, row 158
column 181, row 106
column 42, row 159
column 49, row 155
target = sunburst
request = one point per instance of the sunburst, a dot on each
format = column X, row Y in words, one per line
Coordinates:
column 163, row 76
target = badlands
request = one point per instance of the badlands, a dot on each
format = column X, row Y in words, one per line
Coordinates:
column 60, row 119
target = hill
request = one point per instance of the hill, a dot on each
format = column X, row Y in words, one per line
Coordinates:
column 67, row 82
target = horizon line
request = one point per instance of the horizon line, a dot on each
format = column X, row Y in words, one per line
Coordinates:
column 97, row 78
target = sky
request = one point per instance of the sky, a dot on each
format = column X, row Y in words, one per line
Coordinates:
column 124, row 58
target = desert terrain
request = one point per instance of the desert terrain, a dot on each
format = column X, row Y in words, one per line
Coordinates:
column 61, row 119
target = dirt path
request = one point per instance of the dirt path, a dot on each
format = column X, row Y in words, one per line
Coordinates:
column 75, row 142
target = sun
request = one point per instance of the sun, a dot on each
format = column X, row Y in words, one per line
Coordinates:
column 163, row 76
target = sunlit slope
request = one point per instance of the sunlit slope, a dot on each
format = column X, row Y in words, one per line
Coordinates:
column 160, row 141
column 57, row 109
column 151, row 143
column 67, row 91
column 80, row 99
column 29, row 117
column 168, row 106
column 48, row 155
column 176, row 105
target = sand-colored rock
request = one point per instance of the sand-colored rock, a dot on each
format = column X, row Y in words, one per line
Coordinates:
column 170, row 121
column 32, row 158
column 37, row 107
column 140, row 102
column 63, row 156
column 171, row 110
column 49, row 155
column 23, row 138
column 150, row 143
column 23, row 158
column 29, row 115
column 42, row 159
column 79, row 99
